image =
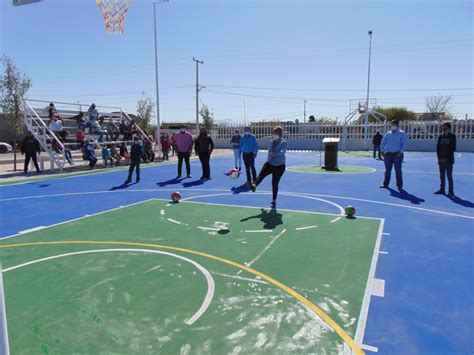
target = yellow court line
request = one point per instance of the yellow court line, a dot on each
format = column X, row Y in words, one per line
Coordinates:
column 320, row 313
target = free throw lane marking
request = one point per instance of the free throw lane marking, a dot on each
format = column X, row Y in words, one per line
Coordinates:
column 316, row 310
column 210, row 281
column 4, row 346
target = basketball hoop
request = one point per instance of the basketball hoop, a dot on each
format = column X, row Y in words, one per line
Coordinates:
column 114, row 14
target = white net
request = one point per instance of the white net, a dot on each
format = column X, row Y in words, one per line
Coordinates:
column 113, row 12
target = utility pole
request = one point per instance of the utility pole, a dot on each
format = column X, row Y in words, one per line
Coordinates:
column 245, row 119
column 197, row 92
column 366, row 119
column 304, row 114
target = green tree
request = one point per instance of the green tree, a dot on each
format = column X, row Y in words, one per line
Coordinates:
column 13, row 87
column 207, row 117
column 145, row 111
column 311, row 119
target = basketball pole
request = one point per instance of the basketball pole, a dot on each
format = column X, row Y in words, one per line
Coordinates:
column 158, row 118
column 197, row 93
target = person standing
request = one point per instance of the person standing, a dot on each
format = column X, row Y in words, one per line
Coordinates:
column 30, row 147
column 136, row 152
column 235, row 142
column 376, row 141
column 184, row 143
column 165, row 147
column 204, row 147
column 249, row 150
column 275, row 164
column 393, row 145
column 445, row 150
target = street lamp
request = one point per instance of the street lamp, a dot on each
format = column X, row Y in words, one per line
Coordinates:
column 158, row 119
column 368, row 80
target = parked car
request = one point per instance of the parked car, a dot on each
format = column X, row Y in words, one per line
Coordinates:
column 5, row 147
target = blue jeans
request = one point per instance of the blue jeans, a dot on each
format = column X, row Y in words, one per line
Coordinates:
column 237, row 158
column 377, row 149
column 390, row 160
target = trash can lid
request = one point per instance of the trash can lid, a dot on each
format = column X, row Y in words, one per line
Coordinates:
column 331, row 140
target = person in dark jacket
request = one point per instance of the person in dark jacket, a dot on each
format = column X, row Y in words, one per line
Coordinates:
column 29, row 147
column 376, row 141
column 136, row 152
column 204, row 147
column 445, row 150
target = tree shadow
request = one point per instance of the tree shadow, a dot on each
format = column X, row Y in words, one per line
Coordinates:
column 460, row 201
column 169, row 182
column 193, row 183
column 239, row 189
column 121, row 187
column 404, row 195
column 271, row 219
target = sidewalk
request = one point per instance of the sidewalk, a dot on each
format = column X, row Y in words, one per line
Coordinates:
column 80, row 167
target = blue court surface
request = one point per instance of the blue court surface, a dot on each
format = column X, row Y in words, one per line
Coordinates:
column 422, row 290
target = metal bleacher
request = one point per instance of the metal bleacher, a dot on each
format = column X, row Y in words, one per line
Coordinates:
column 36, row 119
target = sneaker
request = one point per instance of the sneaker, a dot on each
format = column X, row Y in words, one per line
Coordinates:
column 273, row 204
column 128, row 181
column 450, row 194
column 178, row 177
column 253, row 187
column 440, row 192
column 383, row 186
column 400, row 188
column 189, row 176
column 138, row 179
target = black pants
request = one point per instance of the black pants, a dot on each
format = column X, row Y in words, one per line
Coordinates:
column 27, row 162
column 134, row 164
column 249, row 161
column 377, row 149
column 393, row 160
column 184, row 156
column 277, row 173
column 206, row 169
column 446, row 169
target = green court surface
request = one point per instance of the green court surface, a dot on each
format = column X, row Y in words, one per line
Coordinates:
column 343, row 169
column 143, row 300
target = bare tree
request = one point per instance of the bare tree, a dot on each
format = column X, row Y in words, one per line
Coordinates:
column 13, row 87
column 145, row 112
column 438, row 106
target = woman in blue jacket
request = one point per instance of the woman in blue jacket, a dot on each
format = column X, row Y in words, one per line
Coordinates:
column 275, row 163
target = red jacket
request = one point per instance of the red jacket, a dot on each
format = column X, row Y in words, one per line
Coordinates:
column 80, row 136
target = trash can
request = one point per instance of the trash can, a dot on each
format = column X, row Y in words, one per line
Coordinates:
column 330, row 153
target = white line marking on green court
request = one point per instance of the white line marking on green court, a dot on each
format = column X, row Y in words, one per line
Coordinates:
column 4, row 345
column 241, row 278
column 208, row 228
column 263, row 251
column 31, row 230
column 174, row 221
column 335, row 219
column 308, row 227
column 162, row 212
column 364, row 311
column 258, row 231
column 204, row 271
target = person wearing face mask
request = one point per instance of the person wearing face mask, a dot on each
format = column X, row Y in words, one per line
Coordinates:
column 275, row 164
column 184, row 143
column 235, row 143
column 136, row 152
column 249, row 150
column 445, row 150
column 393, row 145
column 204, row 147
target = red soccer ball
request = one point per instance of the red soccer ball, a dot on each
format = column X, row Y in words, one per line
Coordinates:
column 175, row 196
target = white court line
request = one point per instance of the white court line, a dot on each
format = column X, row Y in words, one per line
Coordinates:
column 371, row 348
column 242, row 278
column 258, row 231
column 31, row 230
column 335, row 219
column 208, row 228
column 383, row 252
column 364, row 310
column 162, row 212
column 433, row 172
column 204, row 271
column 4, row 345
column 302, row 228
column 174, row 221
column 378, row 287
column 263, row 251
column 386, row 234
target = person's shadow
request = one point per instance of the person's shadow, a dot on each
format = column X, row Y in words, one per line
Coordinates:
column 193, row 183
column 169, row 182
column 239, row 189
column 271, row 219
column 121, row 187
column 462, row 202
column 404, row 195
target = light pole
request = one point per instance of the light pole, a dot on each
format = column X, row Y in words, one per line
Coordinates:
column 304, row 112
column 368, row 81
column 245, row 119
column 197, row 92
column 158, row 118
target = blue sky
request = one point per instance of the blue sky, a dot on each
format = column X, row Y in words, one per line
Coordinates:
column 272, row 54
